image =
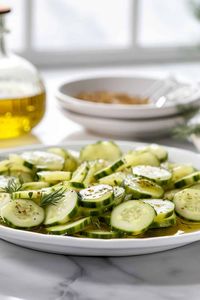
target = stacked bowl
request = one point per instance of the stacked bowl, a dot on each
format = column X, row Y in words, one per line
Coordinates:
column 121, row 120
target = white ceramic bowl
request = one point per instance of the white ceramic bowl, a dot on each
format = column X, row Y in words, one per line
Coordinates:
column 119, row 128
column 97, row 247
column 131, row 85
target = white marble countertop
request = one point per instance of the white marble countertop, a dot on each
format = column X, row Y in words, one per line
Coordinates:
column 26, row 274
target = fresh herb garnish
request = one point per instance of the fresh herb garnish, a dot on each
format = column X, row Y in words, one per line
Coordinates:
column 13, row 186
column 184, row 131
column 52, row 198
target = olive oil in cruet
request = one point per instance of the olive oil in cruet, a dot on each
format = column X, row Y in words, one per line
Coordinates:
column 22, row 93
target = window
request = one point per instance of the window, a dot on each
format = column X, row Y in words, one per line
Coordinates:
column 57, row 32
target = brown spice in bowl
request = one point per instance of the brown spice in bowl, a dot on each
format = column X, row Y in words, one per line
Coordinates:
column 112, row 98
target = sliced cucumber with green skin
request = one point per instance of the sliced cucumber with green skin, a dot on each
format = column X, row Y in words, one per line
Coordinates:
column 167, row 222
column 93, row 212
column 135, row 158
column 80, row 173
column 34, row 185
column 101, row 234
column 169, row 195
column 133, row 217
column 187, row 204
column 22, row 214
column 43, row 160
column 70, row 228
column 62, row 211
column 119, row 194
column 105, row 218
column 29, row 194
column 187, row 180
column 54, row 176
column 110, row 169
column 70, row 161
column 113, row 179
column 181, row 171
column 159, row 151
column 77, row 186
column 93, row 167
column 142, row 188
column 163, row 208
column 106, row 150
column 4, row 199
column 96, row 196
column 157, row 174
column 132, row 158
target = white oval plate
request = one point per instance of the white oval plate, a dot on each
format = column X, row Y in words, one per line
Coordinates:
column 119, row 128
column 130, row 85
column 96, row 247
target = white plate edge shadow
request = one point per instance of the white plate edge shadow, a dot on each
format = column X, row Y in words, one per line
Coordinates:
column 96, row 247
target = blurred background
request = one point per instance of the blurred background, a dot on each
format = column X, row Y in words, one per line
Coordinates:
column 69, row 38
column 67, row 32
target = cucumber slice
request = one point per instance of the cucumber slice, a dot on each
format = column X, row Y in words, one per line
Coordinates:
column 96, row 196
column 94, row 166
column 70, row 228
column 142, row 188
column 93, row 212
column 110, row 169
column 34, row 185
column 180, row 171
column 105, row 218
column 70, row 161
column 22, row 214
column 4, row 199
column 54, row 176
column 113, row 179
column 132, row 158
column 63, row 210
column 29, row 194
column 187, row 204
column 159, row 151
column 133, row 217
column 169, row 195
column 101, row 150
column 80, row 173
column 159, row 175
column 167, row 222
column 101, row 234
column 135, row 158
column 43, row 160
column 188, row 180
column 163, row 208
column 119, row 194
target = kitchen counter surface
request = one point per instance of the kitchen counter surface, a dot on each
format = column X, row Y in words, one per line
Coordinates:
column 32, row 275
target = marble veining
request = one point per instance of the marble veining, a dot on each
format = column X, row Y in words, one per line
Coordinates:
column 33, row 275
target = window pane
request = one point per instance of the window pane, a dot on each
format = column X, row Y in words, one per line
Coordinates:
column 167, row 23
column 15, row 23
column 88, row 24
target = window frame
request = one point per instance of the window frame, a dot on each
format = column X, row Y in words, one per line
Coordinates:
column 133, row 54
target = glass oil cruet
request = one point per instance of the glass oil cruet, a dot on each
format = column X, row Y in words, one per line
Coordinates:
column 22, row 93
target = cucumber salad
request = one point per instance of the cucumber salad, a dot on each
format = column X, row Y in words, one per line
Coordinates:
column 99, row 193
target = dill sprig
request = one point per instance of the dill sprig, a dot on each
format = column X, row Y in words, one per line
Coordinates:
column 13, row 186
column 52, row 198
column 184, row 131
